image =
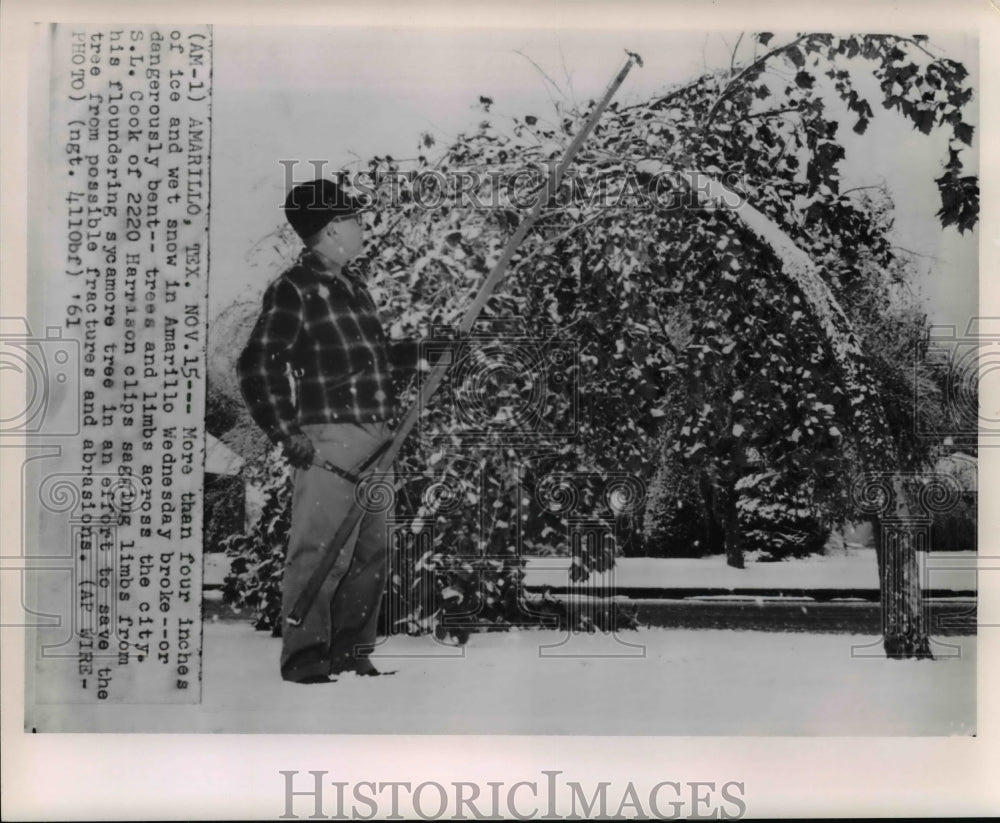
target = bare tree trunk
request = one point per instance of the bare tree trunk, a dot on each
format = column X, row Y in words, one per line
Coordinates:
column 726, row 499
column 726, row 511
column 904, row 624
column 713, row 533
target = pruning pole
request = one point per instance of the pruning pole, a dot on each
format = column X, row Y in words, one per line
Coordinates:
column 330, row 551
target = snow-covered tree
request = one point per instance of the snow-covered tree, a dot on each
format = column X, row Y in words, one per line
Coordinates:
column 627, row 250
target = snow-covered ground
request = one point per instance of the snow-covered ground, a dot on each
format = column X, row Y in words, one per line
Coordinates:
column 674, row 682
column 680, row 682
column 850, row 569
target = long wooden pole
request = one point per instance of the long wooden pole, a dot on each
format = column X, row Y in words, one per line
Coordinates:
column 329, row 554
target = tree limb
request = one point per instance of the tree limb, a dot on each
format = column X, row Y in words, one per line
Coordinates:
column 542, row 71
column 770, row 113
column 732, row 59
column 754, row 66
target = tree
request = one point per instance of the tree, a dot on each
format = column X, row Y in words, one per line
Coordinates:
column 628, row 249
column 786, row 424
column 903, row 629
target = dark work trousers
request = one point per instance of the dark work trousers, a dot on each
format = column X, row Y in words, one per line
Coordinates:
column 339, row 631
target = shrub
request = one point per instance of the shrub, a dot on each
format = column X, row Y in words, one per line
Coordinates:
column 956, row 529
column 253, row 584
column 224, row 509
column 778, row 517
column 676, row 520
column 440, row 579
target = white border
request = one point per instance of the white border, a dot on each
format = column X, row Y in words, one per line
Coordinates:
column 226, row 776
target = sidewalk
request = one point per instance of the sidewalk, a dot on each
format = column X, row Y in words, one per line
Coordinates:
column 852, row 574
column 847, row 574
column 833, row 594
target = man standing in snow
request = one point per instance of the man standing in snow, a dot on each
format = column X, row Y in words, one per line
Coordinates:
column 319, row 327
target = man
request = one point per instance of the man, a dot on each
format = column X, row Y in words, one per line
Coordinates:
column 319, row 326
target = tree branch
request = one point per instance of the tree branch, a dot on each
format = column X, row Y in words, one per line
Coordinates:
column 754, row 66
column 770, row 113
column 548, row 241
column 542, row 71
column 861, row 188
column 732, row 59
column 917, row 45
column 933, row 257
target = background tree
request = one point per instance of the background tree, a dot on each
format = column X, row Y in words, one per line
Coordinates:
column 790, row 427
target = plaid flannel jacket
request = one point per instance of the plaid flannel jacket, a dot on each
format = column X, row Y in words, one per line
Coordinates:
column 322, row 331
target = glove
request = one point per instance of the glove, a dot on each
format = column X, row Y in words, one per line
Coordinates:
column 299, row 451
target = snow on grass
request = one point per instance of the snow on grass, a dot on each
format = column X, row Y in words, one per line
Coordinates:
column 857, row 569
column 686, row 682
